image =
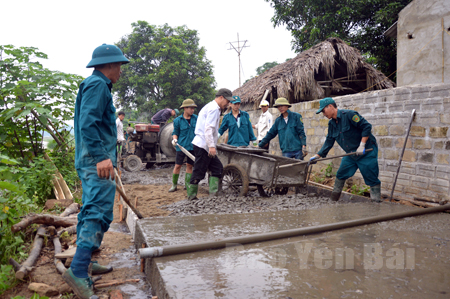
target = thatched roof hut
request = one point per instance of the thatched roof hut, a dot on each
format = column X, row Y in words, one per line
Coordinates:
column 330, row 68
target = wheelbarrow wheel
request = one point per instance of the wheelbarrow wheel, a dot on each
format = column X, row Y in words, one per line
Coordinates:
column 234, row 180
column 268, row 192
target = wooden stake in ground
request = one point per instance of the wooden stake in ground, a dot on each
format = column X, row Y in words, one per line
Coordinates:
column 34, row 254
column 59, row 183
column 143, row 260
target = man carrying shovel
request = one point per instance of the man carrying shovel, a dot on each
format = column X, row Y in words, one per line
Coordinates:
column 353, row 133
column 205, row 142
column 95, row 159
column 183, row 134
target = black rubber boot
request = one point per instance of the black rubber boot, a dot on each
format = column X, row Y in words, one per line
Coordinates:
column 337, row 190
column 375, row 193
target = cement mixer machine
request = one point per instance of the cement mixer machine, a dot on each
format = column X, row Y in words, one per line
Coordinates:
column 148, row 144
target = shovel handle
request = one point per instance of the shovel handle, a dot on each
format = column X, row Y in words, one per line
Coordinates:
column 322, row 159
column 125, row 198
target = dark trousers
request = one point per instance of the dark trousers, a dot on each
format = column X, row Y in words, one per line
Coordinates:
column 367, row 164
column 203, row 163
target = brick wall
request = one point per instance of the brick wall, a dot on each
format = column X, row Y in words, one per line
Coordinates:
column 425, row 170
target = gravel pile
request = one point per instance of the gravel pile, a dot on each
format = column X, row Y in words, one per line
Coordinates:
column 236, row 205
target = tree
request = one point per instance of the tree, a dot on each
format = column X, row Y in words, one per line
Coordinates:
column 33, row 99
column 167, row 66
column 265, row 67
column 361, row 23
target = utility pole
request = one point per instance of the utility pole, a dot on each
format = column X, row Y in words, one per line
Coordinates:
column 239, row 50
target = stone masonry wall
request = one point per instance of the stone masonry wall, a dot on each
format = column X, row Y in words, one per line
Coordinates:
column 425, row 169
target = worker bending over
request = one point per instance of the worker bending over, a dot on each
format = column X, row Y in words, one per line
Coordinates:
column 162, row 116
column 353, row 133
column 183, row 134
column 238, row 123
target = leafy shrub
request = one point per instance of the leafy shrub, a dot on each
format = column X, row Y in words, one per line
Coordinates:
column 37, row 179
column 359, row 190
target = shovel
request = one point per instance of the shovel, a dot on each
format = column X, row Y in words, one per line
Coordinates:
column 125, row 198
column 191, row 156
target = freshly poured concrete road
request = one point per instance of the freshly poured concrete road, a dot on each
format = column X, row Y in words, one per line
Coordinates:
column 407, row 258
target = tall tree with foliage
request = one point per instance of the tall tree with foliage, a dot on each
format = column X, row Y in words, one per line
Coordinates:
column 167, row 65
column 33, row 99
column 361, row 23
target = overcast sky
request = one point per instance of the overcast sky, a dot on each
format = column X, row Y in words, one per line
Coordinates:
column 68, row 32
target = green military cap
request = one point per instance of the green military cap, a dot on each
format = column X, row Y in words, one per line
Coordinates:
column 107, row 54
column 325, row 102
column 188, row 103
column 237, row 100
column 282, row 102
column 176, row 111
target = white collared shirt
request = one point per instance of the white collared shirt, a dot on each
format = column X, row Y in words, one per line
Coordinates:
column 119, row 126
column 207, row 128
column 264, row 124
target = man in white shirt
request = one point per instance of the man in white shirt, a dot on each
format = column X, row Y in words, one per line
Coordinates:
column 120, row 138
column 265, row 122
column 205, row 141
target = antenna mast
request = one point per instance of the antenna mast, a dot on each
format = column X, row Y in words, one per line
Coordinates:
column 238, row 50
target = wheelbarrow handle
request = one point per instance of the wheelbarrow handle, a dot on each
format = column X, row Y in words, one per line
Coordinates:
column 322, row 159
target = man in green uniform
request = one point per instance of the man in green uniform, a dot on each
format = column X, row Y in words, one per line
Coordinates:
column 95, row 159
column 238, row 123
column 183, row 134
column 289, row 128
column 353, row 133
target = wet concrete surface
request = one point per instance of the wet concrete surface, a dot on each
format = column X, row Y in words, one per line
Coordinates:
column 409, row 257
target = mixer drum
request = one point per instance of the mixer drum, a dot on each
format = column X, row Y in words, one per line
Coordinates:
column 165, row 140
